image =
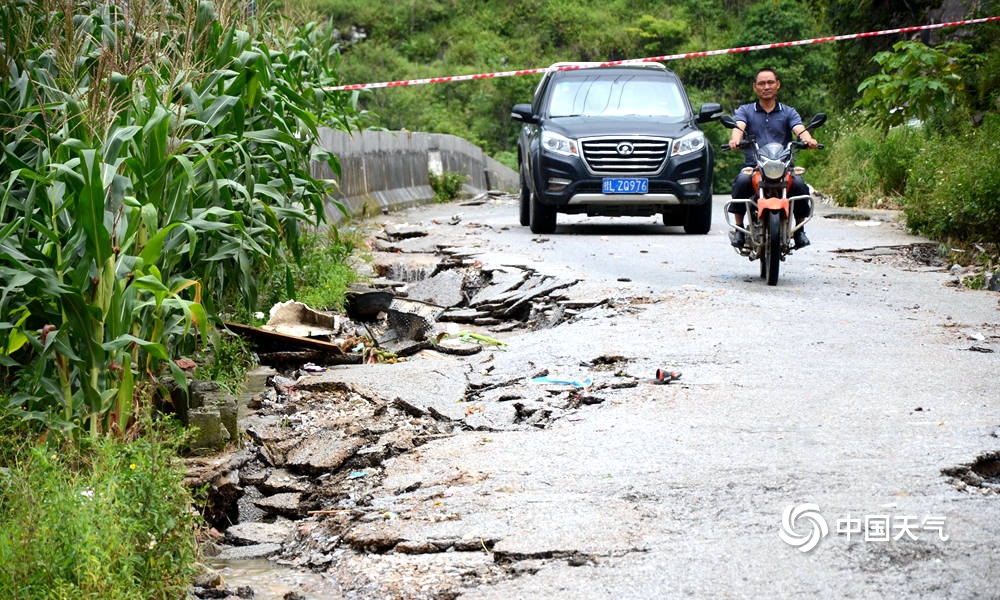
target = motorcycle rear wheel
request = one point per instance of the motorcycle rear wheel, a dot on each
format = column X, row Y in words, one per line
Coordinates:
column 772, row 247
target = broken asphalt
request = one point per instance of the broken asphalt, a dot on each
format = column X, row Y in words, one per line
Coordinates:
column 556, row 466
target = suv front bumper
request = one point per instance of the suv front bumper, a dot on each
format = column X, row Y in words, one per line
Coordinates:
column 565, row 183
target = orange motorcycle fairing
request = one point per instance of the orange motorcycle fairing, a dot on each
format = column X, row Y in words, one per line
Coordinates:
column 756, row 177
column 772, row 204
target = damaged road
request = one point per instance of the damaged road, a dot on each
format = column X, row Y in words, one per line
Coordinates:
column 524, row 447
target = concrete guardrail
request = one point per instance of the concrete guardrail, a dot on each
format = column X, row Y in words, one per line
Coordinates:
column 387, row 170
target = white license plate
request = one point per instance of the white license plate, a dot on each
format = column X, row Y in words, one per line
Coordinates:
column 625, row 185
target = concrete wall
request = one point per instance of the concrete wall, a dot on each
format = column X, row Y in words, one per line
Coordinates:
column 387, row 170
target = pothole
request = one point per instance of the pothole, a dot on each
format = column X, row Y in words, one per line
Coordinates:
column 982, row 474
column 849, row 216
column 922, row 255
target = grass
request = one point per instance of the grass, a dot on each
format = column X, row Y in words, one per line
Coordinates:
column 447, row 185
column 108, row 520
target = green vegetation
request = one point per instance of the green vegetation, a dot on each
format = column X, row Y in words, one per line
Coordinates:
column 930, row 143
column 321, row 276
column 106, row 520
column 155, row 178
column 447, row 185
column 157, row 165
column 964, row 205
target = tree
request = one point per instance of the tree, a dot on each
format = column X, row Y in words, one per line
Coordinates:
column 852, row 61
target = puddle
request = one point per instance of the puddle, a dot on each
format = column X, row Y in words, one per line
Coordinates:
column 271, row 581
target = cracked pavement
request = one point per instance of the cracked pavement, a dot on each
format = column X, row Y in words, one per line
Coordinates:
column 851, row 385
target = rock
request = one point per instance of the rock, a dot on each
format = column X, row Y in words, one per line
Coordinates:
column 443, row 289
column 324, row 450
column 404, row 231
column 372, row 537
column 225, row 403
column 281, row 480
column 247, row 510
column 493, row 417
column 421, row 389
column 464, row 315
column 209, row 578
column 288, row 504
column 249, row 534
column 416, row 547
column 249, row 552
column 210, row 434
column 202, row 470
column 503, row 281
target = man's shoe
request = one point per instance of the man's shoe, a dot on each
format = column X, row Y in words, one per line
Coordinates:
column 801, row 241
column 739, row 238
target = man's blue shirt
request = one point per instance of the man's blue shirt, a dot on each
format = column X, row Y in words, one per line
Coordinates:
column 775, row 126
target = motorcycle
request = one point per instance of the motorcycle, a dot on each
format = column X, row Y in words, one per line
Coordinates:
column 770, row 231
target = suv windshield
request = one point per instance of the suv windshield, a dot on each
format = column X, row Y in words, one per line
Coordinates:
column 597, row 95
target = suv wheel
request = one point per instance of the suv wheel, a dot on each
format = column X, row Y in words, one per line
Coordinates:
column 542, row 218
column 699, row 217
column 525, row 202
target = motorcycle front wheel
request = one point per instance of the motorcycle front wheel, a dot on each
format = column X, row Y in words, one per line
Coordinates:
column 772, row 247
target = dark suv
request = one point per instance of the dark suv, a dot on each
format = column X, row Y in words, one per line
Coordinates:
column 614, row 141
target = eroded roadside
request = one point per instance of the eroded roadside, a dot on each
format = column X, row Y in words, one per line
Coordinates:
column 307, row 488
column 556, row 464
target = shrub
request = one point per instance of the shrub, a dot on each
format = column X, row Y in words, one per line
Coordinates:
column 107, row 521
column 447, row 185
column 320, row 277
column 863, row 166
column 955, row 186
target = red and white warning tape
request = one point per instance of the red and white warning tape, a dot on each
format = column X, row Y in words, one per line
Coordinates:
column 566, row 67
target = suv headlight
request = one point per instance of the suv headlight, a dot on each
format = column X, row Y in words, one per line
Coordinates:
column 553, row 142
column 692, row 142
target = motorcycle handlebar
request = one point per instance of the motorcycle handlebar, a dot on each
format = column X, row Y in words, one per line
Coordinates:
column 795, row 144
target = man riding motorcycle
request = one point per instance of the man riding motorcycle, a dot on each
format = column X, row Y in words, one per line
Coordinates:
column 770, row 121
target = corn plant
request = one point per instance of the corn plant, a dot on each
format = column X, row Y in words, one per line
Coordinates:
column 155, row 163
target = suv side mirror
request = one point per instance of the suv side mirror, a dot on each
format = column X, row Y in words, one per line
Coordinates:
column 522, row 113
column 710, row 111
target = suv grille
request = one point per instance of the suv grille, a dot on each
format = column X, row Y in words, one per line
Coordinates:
column 603, row 155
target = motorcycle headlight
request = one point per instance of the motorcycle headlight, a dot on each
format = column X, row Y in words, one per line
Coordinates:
column 773, row 169
column 692, row 142
column 559, row 144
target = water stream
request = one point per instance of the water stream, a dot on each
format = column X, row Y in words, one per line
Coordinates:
column 271, row 581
